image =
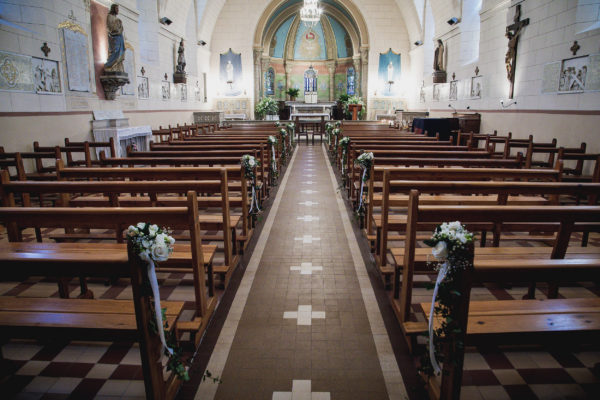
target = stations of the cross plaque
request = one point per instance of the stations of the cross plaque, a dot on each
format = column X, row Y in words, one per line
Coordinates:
column 513, row 32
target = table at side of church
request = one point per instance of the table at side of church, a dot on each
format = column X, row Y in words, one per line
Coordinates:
column 139, row 136
column 434, row 125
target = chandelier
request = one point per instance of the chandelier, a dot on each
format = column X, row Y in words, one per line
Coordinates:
column 310, row 13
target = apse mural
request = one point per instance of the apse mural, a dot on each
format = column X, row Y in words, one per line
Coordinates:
column 389, row 73
column 310, row 43
column 231, row 73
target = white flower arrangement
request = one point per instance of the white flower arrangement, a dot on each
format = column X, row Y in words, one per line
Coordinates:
column 249, row 163
column 448, row 240
column 272, row 140
column 364, row 161
column 151, row 242
column 452, row 246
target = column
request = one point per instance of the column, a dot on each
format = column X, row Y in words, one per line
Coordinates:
column 364, row 59
column 265, row 61
column 357, row 75
column 288, row 75
column 257, row 73
column 331, row 69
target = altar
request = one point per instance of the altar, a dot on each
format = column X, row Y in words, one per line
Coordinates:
column 113, row 124
column 298, row 107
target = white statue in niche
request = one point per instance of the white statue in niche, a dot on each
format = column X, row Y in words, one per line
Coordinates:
column 229, row 70
column 390, row 71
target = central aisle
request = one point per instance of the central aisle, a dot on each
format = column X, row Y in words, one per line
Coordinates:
column 302, row 320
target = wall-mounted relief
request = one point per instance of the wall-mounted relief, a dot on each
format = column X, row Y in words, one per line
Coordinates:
column 143, row 87
column 476, row 87
column 165, row 90
column 453, row 91
column 46, row 76
column 389, row 73
column 436, row 91
column 15, row 72
column 76, row 56
column 231, row 73
column 183, row 92
column 573, row 74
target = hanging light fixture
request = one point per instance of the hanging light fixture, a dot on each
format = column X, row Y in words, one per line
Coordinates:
column 310, row 13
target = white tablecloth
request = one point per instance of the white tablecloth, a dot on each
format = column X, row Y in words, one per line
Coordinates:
column 124, row 136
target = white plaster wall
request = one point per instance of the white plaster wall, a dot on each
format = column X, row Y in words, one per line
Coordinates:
column 551, row 32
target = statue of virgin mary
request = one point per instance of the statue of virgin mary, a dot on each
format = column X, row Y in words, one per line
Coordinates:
column 116, row 42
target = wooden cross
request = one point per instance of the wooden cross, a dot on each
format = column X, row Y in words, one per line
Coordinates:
column 512, row 33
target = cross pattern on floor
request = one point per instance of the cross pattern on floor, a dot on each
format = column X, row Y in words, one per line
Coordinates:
column 306, row 268
column 308, row 218
column 308, row 175
column 308, row 239
column 309, row 191
column 301, row 390
column 304, row 315
column 309, row 203
column 308, row 182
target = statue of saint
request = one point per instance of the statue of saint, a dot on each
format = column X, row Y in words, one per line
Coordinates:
column 229, row 70
column 390, row 74
column 438, row 58
column 116, row 42
column 180, row 58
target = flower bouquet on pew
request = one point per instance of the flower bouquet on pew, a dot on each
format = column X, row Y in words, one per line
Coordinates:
column 284, row 150
column 364, row 161
column 273, row 173
column 452, row 245
column 344, row 143
column 249, row 164
column 153, row 245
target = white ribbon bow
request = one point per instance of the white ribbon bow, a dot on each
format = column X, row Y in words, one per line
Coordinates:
column 441, row 275
column 362, row 186
column 156, row 295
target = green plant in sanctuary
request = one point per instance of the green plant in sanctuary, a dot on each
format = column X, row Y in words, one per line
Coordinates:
column 266, row 106
column 293, row 92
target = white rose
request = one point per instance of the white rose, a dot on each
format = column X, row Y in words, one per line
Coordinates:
column 146, row 243
column 454, row 226
column 152, row 230
column 440, row 250
column 252, row 163
column 160, row 252
column 141, row 225
column 461, row 236
column 160, row 238
column 132, row 230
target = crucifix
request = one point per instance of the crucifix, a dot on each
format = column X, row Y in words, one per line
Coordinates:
column 512, row 33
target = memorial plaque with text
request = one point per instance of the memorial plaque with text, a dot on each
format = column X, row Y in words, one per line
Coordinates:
column 76, row 54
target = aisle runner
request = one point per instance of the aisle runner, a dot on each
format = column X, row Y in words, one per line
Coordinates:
column 299, row 323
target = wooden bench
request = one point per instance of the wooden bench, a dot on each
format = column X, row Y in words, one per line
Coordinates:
column 515, row 320
column 192, row 258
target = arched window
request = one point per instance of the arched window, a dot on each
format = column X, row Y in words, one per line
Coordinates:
column 270, row 82
column 350, row 81
column 469, row 32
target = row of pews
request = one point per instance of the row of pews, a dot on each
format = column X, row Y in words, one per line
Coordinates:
column 66, row 219
column 532, row 206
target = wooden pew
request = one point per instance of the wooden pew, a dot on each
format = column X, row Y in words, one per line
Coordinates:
column 110, row 145
column 190, row 258
column 95, row 319
column 496, row 318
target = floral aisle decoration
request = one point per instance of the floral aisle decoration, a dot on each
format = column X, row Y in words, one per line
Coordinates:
column 452, row 246
column 291, row 128
column 283, row 132
column 153, row 245
column 250, row 163
column 272, row 140
column 364, row 161
column 328, row 131
column 277, row 124
column 344, row 143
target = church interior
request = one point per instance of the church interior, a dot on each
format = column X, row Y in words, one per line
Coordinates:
column 300, row 199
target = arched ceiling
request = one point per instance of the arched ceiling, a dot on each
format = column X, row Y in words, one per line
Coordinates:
column 408, row 9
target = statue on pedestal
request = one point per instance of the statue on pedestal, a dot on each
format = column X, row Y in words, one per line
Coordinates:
column 180, row 76
column 439, row 74
column 113, row 76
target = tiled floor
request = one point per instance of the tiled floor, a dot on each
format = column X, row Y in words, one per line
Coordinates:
column 304, row 321
column 308, row 321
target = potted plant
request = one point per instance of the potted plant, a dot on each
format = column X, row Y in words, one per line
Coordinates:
column 266, row 108
column 293, row 93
